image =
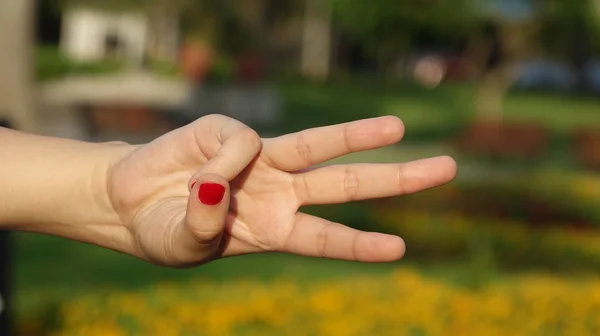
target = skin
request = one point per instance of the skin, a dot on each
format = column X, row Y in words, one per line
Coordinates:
column 143, row 200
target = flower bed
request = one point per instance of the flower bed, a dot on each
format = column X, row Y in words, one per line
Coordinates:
column 401, row 303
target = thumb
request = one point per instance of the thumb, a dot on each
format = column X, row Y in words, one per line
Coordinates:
column 198, row 237
column 207, row 208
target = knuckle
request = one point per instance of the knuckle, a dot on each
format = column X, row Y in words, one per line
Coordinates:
column 351, row 183
column 401, row 180
column 202, row 232
column 303, row 149
column 322, row 241
column 346, row 136
column 212, row 117
column 205, row 237
column 251, row 137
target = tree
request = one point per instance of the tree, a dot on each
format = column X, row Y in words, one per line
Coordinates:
column 107, row 4
column 16, row 109
column 496, row 49
column 17, row 31
column 163, row 24
column 316, row 40
column 560, row 29
column 388, row 28
column 570, row 30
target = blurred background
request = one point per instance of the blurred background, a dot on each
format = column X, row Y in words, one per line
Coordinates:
column 510, row 88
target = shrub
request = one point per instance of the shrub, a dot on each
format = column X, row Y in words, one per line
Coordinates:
column 51, row 64
column 509, row 244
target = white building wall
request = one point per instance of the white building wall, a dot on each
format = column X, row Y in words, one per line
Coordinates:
column 84, row 32
column 133, row 31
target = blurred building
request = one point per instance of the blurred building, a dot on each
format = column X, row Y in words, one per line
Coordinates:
column 94, row 34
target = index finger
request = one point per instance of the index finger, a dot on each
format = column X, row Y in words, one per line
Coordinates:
column 240, row 145
column 304, row 149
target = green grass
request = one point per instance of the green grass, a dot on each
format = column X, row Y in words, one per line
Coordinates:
column 424, row 112
column 428, row 114
column 51, row 269
column 557, row 112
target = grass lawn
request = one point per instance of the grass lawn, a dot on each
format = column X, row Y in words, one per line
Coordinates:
column 427, row 112
column 49, row 269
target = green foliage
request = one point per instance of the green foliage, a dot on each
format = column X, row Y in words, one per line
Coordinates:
column 490, row 242
column 216, row 22
column 223, row 70
column 164, row 68
column 51, row 64
column 107, row 4
column 390, row 26
column 563, row 22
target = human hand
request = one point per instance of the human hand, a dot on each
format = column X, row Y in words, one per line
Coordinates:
column 214, row 189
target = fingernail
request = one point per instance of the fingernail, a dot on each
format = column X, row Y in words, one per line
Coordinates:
column 193, row 184
column 211, row 193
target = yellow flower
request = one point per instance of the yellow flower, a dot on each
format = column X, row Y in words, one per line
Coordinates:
column 401, row 303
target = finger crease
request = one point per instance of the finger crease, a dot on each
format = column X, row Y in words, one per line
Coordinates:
column 351, row 183
column 301, row 189
column 354, row 247
column 173, row 226
column 303, row 149
column 401, row 180
column 346, row 138
column 205, row 237
column 322, row 238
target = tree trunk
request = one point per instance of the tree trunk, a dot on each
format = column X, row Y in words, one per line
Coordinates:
column 492, row 91
column 253, row 14
column 316, row 44
column 490, row 135
column 580, row 53
column 17, row 109
column 17, row 93
column 506, row 45
column 163, row 27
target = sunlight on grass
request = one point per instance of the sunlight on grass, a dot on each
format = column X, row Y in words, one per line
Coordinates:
column 559, row 113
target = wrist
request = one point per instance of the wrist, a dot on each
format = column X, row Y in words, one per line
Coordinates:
column 98, row 220
column 92, row 218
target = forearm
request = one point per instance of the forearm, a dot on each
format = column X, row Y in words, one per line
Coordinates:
column 58, row 187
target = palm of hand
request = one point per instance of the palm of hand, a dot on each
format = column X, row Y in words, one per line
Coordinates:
column 269, row 181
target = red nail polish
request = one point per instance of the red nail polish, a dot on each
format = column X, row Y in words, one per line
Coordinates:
column 211, row 193
column 193, row 184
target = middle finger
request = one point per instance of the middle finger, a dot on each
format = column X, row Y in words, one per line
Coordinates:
column 354, row 182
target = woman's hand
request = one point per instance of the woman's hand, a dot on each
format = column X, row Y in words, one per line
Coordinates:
column 214, row 189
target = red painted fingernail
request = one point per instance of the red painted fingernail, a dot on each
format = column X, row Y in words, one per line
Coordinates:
column 193, row 184
column 211, row 193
